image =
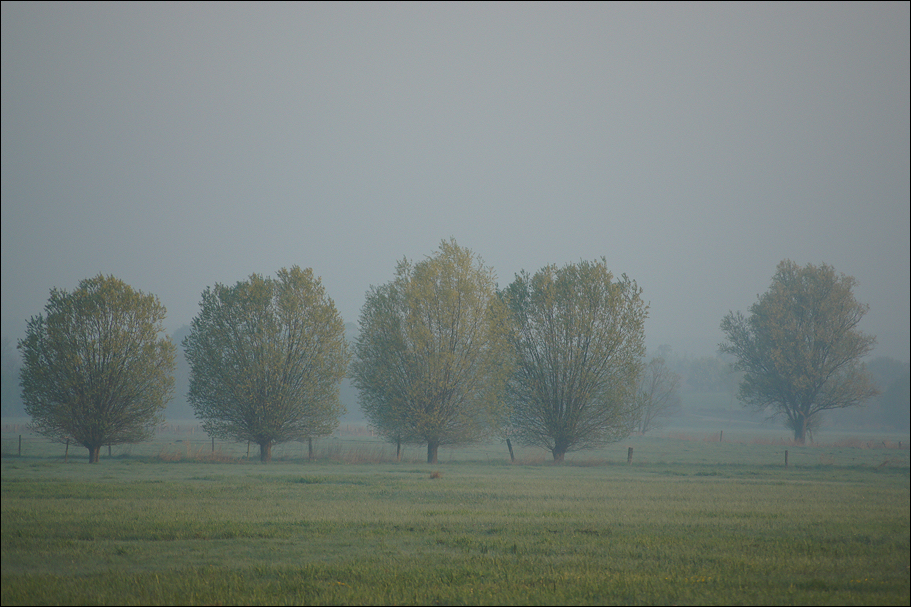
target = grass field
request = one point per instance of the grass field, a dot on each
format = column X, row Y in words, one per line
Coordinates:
column 692, row 520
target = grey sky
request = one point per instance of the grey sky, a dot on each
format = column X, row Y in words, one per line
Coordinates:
column 694, row 146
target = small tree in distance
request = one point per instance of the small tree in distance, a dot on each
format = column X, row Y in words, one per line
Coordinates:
column 266, row 359
column 657, row 394
column 800, row 348
column 95, row 369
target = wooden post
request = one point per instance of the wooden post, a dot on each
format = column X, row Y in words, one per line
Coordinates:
column 785, row 458
column 309, row 448
column 109, row 451
column 248, row 449
column 213, row 444
column 398, row 450
column 512, row 456
column 20, row 445
column 629, row 456
column 720, row 435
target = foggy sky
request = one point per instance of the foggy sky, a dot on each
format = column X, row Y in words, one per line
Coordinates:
column 694, row 146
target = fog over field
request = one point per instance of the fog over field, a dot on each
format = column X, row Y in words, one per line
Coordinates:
column 694, row 146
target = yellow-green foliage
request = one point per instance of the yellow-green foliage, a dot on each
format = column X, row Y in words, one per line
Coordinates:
column 800, row 348
column 432, row 355
column 579, row 339
column 267, row 356
column 96, row 370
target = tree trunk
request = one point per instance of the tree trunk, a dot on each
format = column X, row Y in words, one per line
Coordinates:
column 265, row 452
column 432, row 451
column 561, row 446
column 94, row 453
column 800, row 431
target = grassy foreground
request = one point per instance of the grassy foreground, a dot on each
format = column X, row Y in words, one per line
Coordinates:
column 141, row 530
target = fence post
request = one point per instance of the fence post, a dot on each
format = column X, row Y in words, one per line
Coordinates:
column 20, row 445
column 213, row 444
column 512, row 457
column 785, row 458
column 629, row 456
column 309, row 448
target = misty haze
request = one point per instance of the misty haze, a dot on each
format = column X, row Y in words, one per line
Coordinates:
column 653, row 183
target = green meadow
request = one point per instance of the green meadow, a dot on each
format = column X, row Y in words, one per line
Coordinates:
column 690, row 520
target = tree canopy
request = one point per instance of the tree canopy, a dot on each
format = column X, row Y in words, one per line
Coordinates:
column 578, row 336
column 800, row 348
column 432, row 354
column 95, row 368
column 266, row 359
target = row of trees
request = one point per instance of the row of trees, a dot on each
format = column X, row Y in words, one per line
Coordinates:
column 443, row 357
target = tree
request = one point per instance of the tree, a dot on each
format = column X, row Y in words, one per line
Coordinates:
column 10, row 393
column 707, row 374
column 800, row 348
column 179, row 407
column 890, row 408
column 578, row 335
column 894, row 402
column 266, row 359
column 432, row 354
column 94, row 368
column 892, row 379
column 657, row 394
